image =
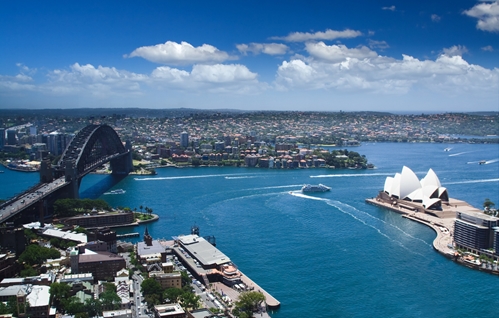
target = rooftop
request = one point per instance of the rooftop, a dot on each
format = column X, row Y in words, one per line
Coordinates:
column 202, row 250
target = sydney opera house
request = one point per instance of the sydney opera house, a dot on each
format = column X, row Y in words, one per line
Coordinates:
column 406, row 186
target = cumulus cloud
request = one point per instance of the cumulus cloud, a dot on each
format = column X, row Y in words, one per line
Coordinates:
column 370, row 72
column 327, row 35
column 266, row 48
column 487, row 15
column 337, row 53
column 180, row 53
column 103, row 82
column 390, row 8
column 455, row 50
column 488, row 48
column 435, row 18
column 98, row 81
column 222, row 78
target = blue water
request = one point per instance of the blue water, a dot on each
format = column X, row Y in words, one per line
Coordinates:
column 328, row 254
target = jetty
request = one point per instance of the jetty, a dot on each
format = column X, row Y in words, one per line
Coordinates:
column 213, row 268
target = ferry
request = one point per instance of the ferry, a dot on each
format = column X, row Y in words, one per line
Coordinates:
column 315, row 188
column 482, row 162
column 117, row 191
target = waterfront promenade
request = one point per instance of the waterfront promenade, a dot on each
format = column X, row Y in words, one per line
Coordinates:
column 442, row 222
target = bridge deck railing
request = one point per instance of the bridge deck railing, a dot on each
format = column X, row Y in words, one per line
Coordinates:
column 15, row 197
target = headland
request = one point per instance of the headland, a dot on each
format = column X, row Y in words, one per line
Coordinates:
column 464, row 233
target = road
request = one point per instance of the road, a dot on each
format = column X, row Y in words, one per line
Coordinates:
column 27, row 199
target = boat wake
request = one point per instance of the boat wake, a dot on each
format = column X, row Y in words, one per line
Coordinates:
column 491, row 161
column 364, row 217
column 458, row 154
column 275, row 187
column 351, row 175
column 473, row 181
column 242, row 177
column 192, row 177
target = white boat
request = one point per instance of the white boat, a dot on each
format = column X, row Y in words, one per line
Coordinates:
column 315, row 188
column 117, row 191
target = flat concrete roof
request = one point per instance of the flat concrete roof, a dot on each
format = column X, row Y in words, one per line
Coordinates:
column 156, row 248
column 202, row 250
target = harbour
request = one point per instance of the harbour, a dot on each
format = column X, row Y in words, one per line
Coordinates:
column 321, row 253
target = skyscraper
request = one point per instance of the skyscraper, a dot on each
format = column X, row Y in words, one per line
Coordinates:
column 184, row 139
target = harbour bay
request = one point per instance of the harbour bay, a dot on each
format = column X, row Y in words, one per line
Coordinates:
column 325, row 254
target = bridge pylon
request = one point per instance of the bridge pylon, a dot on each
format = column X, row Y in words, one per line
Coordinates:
column 71, row 174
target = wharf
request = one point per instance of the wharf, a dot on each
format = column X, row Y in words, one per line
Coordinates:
column 202, row 275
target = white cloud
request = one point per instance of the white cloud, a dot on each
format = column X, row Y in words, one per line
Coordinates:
column 327, row 35
column 266, row 48
column 180, row 53
column 103, row 82
column 98, row 81
column 337, row 53
column 448, row 74
column 435, row 18
column 373, row 44
column 487, row 15
column 455, row 50
column 488, row 48
column 220, row 78
column 391, row 8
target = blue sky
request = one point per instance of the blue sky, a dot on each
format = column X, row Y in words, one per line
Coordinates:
column 254, row 55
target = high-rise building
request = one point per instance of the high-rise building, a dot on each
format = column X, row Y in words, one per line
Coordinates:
column 2, row 138
column 11, row 136
column 184, row 139
column 475, row 231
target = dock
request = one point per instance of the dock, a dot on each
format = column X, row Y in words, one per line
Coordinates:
column 193, row 262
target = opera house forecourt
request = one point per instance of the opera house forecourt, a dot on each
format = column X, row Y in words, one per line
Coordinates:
column 464, row 234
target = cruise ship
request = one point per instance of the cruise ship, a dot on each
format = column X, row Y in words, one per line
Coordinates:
column 315, row 188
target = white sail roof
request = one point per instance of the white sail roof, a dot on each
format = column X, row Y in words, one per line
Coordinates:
column 406, row 185
column 388, row 184
column 431, row 179
column 409, row 182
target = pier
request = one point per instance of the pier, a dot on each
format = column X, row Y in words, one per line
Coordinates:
column 205, row 261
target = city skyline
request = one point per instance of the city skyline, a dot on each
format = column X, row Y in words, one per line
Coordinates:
column 293, row 55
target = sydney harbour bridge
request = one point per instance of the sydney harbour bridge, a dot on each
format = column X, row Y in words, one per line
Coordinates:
column 92, row 147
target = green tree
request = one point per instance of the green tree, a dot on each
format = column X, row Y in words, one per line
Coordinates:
column 9, row 307
column 151, row 287
column 110, row 299
column 36, row 254
column 487, row 204
column 58, row 293
column 93, row 307
column 28, row 271
column 189, row 300
column 73, row 306
column 173, row 294
column 247, row 303
column 186, row 280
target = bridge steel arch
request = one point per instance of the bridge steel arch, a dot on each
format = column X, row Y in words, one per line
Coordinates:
column 93, row 146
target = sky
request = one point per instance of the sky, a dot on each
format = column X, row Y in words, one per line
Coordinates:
column 364, row 55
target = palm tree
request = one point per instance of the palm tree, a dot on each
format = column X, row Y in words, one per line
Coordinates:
column 141, row 207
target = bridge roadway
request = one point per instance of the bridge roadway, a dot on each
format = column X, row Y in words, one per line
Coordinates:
column 29, row 198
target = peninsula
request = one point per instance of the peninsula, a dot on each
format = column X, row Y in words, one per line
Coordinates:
column 464, row 234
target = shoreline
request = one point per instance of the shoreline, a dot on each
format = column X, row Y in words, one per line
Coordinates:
column 136, row 223
column 443, row 227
